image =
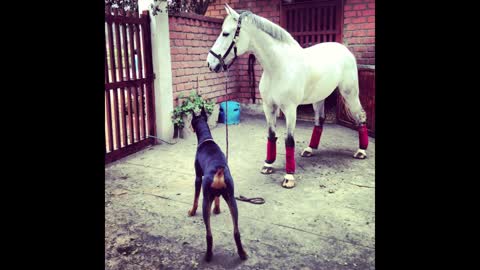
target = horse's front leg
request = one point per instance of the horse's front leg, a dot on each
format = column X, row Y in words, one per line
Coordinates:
column 271, row 116
column 291, row 118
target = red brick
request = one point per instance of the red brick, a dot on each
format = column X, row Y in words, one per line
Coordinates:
column 347, row 20
column 359, row 7
column 369, row 26
column 178, row 42
column 371, row 33
column 369, row 55
column 350, row 14
column 188, row 86
column 177, row 57
column 190, row 36
column 350, row 27
column 175, row 50
column 368, row 40
column 180, row 87
column 371, row 5
column 348, row 7
column 359, row 20
column 371, row 19
column 176, row 65
column 362, row 61
column 354, row 40
column 359, row 49
column 196, row 43
column 368, row 12
column 188, row 71
column 175, row 80
column 359, row 33
column 180, row 72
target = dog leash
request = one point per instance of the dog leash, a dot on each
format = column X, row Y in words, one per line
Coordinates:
column 256, row 200
column 226, row 112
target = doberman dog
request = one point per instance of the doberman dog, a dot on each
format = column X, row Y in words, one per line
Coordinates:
column 210, row 163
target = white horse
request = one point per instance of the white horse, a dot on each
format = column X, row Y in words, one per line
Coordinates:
column 291, row 76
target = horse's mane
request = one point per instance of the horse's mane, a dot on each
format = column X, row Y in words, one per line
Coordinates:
column 268, row 27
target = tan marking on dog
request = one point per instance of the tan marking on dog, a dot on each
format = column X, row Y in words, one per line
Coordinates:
column 219, row 180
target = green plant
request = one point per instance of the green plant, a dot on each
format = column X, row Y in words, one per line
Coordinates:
column 193, row 103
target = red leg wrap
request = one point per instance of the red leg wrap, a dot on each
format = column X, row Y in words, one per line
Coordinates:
column 315, row 139
column 271, row 150
column 363, row 137
column 290, row 160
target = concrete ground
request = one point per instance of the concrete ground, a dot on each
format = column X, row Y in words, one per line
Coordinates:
column 326, row 222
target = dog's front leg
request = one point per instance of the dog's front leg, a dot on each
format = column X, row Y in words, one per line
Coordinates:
column 207, row 206
column 198, row 187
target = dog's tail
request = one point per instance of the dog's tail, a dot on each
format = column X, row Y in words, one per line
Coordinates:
column 219, row 179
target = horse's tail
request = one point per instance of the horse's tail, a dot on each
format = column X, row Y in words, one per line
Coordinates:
column 350, row 96
column 219, row 179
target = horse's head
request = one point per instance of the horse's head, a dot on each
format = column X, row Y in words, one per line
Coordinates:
column 231, row 42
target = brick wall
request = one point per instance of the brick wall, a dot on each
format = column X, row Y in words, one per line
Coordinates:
column 359, row 29
column 191, row 37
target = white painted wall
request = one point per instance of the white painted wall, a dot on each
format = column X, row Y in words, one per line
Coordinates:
column 162, row 69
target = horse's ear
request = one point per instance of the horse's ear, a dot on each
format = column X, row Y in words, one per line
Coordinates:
column 230, row 11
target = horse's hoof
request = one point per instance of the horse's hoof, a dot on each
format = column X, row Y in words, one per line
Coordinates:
column 307, row 152
column 208, row 256
column 288, row 181
column 216, row 210
column 191, row 212
column 243, row 255
column 360, row 154
column 267, row 169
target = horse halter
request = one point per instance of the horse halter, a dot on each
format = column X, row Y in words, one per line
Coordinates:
column 232, row 45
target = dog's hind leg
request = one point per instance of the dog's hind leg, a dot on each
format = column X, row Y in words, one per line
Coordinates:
column 232, row 205
column 198, row 187
column 207, row 206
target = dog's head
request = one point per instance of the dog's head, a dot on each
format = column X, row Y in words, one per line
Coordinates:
column 197, row 116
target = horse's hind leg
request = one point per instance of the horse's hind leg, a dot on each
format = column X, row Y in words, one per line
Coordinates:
column 350, row 94
column 319, row 109
column 270, row 111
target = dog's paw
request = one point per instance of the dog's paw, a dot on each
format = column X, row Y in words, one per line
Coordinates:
column 243, row 255
column 192, row 212
column 216, row 210
column 208, row 256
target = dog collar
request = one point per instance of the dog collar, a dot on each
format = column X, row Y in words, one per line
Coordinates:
column 203, row 142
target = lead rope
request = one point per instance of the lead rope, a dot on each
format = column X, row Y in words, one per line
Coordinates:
column 226, row 111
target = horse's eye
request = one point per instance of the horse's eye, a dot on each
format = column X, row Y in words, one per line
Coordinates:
column 226, row 34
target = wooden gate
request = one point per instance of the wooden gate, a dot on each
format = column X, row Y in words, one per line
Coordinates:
column 312, row 22
column 129, row 110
